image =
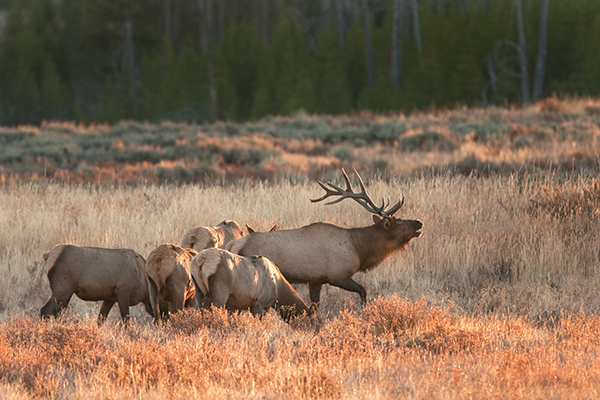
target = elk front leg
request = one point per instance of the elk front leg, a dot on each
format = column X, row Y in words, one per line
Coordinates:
column 315, row 292
column 104, row 310
column 353, row 286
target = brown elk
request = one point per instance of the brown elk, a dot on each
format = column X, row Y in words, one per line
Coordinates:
column 93, row 274
column 204, row 237
column 241, row 283
column 170, row 284
column 325, row 253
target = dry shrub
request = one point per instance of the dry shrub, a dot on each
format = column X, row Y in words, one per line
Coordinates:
column 190, row 321
column 551, row 105
column 565, row 202
column 419, row 325
column 516, row 130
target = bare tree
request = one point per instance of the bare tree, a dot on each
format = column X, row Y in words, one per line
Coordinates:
column 206, row 38
column 397, row 41
column 540, row 65
column 123, row 59
column 522, row 52
column 265, row 19
column 369, row 53
column 416, row 26
column 167, row 12
column 342, row 25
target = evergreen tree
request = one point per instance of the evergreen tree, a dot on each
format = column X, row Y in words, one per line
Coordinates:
column 285, row 77
column 238, row 62
column 331, row 85
column 32, row 87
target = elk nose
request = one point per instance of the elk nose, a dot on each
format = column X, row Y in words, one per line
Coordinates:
column 418, row 225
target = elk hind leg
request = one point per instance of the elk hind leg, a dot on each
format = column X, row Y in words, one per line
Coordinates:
column 123, row 301
column 57, row 303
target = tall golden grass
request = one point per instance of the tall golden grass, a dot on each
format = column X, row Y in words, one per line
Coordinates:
column 497, row 298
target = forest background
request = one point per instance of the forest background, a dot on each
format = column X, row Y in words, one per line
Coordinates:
column 239, row 60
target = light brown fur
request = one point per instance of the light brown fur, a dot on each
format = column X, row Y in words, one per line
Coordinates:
column 169, row 280
column 242, row 283
column 202, row 237
column 94, row 274
column 325, row 253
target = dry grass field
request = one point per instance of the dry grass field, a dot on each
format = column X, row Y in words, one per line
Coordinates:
column 497, row 299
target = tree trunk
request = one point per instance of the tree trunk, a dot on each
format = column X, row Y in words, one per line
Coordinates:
column 540, row 65
column 397, row 42
column 206, row 31
column 369, row 53
column 129, row 58
column 522, row 53
column 167, row 4
column 264, row 21
column 417, row 26
column 341, row 24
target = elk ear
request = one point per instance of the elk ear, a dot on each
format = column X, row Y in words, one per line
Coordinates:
column 376, row 218
column 274, row 228
column 192, row 239
column 250, row 229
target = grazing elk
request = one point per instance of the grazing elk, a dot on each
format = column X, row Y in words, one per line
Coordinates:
column 94, row 274
column 170, row 283
column 241, row 283
column 202, row 237
column 325, row 253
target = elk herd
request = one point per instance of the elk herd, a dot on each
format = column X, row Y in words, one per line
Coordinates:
column 225, row 266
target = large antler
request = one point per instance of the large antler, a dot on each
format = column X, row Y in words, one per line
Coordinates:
column 361, row 198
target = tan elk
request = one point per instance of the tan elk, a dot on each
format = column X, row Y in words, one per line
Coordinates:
column 94, row 274
column 204, row 237
column 325, row 253
column 170, row 284
column 245, row 283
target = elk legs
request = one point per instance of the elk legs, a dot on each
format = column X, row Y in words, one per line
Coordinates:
column 315, row 292
column 104, row 310
column 352, row 286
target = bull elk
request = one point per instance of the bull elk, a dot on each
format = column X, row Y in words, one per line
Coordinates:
column 325, row 253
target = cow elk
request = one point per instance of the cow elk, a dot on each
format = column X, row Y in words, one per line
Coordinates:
column 245, row 283
column 170, row 283
column 322, row 253
column 205, row 237
column 94, row 274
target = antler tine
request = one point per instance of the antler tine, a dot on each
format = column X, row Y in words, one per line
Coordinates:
column 327, row 192
column 361, row 198
column 396, row 207
column 336, row 192
column 348, row 185
column 366, row 197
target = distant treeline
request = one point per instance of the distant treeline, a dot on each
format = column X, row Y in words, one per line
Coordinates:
column 205, row 60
